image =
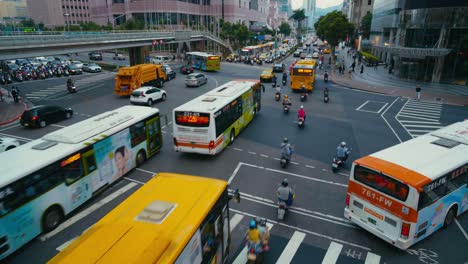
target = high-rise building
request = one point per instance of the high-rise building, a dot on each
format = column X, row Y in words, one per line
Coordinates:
column 309, row 8
column 59, row 12
column 422, row 40
column 12, row 11
column 358, row 9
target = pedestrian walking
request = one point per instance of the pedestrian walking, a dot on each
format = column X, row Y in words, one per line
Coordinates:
column 362, row 69
column 418, row 92
column 353, row 65
column 14, row 93
column 340, row 69
column 350, row 72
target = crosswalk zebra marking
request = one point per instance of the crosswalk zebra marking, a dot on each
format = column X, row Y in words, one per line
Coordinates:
column 420, row 122
column 291, row 248
column 419, row 113
column 420, row 118
column 235, row 220
column 426, row 126
column 333, row 253
column 372, row 258
column 423, row 110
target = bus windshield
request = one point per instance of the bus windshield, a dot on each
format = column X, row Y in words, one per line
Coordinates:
column 381, row 182
column 303, row 72
column 192, row 119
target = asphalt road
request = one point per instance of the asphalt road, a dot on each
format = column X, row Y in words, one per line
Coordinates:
column 367, row 122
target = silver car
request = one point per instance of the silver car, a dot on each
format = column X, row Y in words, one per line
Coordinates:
column 195, row 79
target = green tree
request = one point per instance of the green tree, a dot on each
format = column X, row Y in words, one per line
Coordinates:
column 298, row 16
column 285, row 28
column 90, row 26
column 317, row 23
column 28, row 23
column 132, row 24
column 334, row 27
column 366, row 23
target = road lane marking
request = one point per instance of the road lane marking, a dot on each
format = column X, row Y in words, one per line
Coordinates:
column 424, row 126
column 419, row 118
column 238, row 149
column 291, row 248
column 388, row 124
column 432, row 111
column 305, row 230
column 265, row 156
column 234, row 172
column 461, row 229
column 420, row 122
column 333, row 253
column 235, row 220
column 372, row 258
column 55, row 125
column 293, row 162
column 378, row 112
column 358, row 109
column 309, row 166
column 87, row 211
column 64, row 245
column 17, row 137
column 410, row 113
column 147, row 171
column 253, row 153
column 8, row 127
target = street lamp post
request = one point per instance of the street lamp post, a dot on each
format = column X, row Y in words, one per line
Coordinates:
column 66, row 15
column 113, row 22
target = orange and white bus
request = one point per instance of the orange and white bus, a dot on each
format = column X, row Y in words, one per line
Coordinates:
column 405, row 193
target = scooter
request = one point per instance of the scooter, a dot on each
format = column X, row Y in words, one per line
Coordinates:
column 283, row 208
column 304, row 97
column 284, row 81
column 71, row 88
column 325, row 78
column 286, row 108
column 326, row 98
column 301, row 122
column 337, row 162
column 277, row 96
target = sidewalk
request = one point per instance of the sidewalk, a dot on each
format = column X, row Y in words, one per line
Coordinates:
column 9, row 110
column 380, row 81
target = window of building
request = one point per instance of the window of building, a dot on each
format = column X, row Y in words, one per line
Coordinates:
column 369, row 2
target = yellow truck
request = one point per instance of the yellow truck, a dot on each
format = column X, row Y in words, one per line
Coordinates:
column 130, row 78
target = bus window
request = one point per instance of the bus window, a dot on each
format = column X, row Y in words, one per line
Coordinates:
column 72, row 168
column 137, row 133
column 381, row 182
column 89, row 161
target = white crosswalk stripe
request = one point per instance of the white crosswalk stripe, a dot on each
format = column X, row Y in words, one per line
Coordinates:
column 38, row 95
column 334, row 254
column 420, row 117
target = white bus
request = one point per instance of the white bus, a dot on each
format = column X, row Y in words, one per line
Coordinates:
column 44, row 180
column 211, row 121
column 405, row 193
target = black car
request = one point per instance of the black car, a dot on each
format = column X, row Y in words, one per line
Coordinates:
column 186, row 69
column 278, row 68
column 74, row 70
column 297, row 54
column 170, row 75
column 95, row 56
column 41, row 116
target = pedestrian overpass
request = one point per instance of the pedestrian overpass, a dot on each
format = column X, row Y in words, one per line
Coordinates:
column 53, row 43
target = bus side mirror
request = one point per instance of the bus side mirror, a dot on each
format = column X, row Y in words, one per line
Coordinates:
column 235, row 196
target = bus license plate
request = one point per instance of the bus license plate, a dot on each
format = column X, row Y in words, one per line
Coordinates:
column 372, row 221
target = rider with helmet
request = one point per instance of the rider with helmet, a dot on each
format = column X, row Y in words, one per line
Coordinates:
column 286, row 100
column 342, row 151
column 286, row 149
column 301, row 113
column 254, row 236
column 285, row 193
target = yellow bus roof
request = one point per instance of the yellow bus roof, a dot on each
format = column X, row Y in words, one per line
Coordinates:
column 137, row 232
column 306, row 62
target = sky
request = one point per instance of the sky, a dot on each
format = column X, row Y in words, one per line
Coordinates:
column 320, row 3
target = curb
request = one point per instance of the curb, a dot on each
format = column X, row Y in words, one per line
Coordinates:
column 16, row 118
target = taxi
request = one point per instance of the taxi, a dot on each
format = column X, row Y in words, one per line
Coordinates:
column 267, row 75
column 326, row 51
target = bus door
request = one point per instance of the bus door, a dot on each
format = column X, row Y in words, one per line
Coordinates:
column 257, row 97
column 153, row 136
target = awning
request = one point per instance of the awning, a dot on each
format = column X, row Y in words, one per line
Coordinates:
column 420, row 53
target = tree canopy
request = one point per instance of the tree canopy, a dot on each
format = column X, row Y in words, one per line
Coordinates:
column 366, row 23
column 334, row 27
column 285, row 28
column 236, row 33
column 299, row 15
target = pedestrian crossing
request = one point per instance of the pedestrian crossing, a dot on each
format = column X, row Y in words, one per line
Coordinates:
column 88, row 79
column 420, row 117
column 292, row 249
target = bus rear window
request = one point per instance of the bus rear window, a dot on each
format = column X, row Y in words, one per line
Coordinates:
column 381, row 182
column 303, row 72
column 192, row 119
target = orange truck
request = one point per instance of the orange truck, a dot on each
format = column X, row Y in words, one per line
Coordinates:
column 131, row 78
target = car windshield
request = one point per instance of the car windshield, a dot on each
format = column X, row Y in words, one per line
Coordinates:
column 191, row 77
column 266, row 72
column 92, row 65
column 72, row 66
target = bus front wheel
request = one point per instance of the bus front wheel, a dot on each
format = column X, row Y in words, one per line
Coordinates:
column 141, row 157
column 52, row 218
column 450, row 216
column 232, row 137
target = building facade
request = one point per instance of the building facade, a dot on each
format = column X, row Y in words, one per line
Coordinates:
column 358, row 9
column 309, row 8
column 422, row 40
column 59, row 12
column 12, row 11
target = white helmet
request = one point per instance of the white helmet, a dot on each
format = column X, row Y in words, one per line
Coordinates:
column 302, row 107
column 343, row 144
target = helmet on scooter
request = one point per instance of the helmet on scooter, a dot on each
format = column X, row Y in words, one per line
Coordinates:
column 286, row 96
column 302, row 107
column 285, row 140
column 343, row 144
column 252, row 224
column 285, row 182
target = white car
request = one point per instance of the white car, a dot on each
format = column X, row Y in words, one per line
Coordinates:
column 315, row 55
column 7, row 143
column 147, row 95
column 78, row 64
column 91, row 67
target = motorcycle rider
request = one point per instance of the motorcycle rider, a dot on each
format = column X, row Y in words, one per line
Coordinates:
column 70, row 83
column 301, row 113
column 286, row 100
column 325, row 76
column 278, row 89
column 286, row 149
column 285, row 193
column 254, row 237
column 265, row 233
column 342, row 151
column 285, row 77
column 274, row 80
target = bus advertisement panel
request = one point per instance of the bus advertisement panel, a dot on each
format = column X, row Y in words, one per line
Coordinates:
column 67, row 167
column 160, row 223
column 210, row 122
column 303, row 75
column 403, row 198
column 204, row 61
